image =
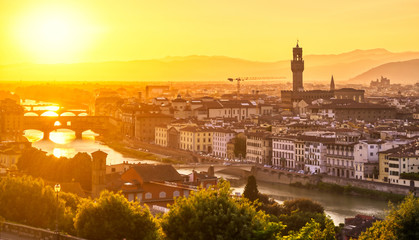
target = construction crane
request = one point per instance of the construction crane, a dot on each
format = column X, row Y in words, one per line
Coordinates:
column 241, row 79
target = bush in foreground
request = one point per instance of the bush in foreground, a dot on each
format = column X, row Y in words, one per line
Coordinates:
column 214, row 214
column 402, row 222
column 112, row 216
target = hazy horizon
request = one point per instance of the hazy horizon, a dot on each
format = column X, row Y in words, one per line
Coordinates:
column 74, row 31
column 182, row 57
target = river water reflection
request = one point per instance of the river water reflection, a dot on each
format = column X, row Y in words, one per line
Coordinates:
column 63, row 143
column 337, row 206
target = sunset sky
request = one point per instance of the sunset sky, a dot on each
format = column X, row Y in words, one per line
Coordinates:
column 68, row 31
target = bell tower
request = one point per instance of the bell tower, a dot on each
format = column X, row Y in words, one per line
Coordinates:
column 98, row 173
column 297, row 67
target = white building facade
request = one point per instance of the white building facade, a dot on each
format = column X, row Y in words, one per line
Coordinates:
column 220, row 138
column 283, row 152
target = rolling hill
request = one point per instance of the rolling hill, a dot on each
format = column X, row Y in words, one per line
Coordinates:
column 398, row 72
column 318, row 68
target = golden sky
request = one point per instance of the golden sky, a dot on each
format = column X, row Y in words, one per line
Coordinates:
column 68, row 31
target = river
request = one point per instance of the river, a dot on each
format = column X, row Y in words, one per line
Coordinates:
column 337, row 206
column 62, row 143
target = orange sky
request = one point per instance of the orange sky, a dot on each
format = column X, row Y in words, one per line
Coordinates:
column 70, row 31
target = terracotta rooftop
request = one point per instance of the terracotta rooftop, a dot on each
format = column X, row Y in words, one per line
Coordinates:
column 157, row 173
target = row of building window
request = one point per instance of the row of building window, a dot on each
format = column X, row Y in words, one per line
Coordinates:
column 283, row 146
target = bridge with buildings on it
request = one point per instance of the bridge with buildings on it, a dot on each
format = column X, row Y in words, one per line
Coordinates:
column 78, row 124
column 32, row 112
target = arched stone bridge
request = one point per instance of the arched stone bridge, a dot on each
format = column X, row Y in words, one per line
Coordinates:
column 78, row 124
column 59, row 112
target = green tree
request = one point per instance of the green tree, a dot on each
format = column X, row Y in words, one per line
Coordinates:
column 402, row 222
column 36, row 163
column 251, row 189
column 298, row 219
column 313, row 231
column 302, row 204
column 240, row 147
column 71, row 202
column 112, row 216
column 214, row 214
column 28, row 201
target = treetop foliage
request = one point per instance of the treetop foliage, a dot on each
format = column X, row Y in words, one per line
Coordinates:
column 207, row 214
column 251, row 189
column 402, row 222
column 112, row 216
column 214, row 214
column 36, row 163
column 28, row 201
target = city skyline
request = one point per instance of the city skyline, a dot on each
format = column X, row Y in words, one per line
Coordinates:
column 96, row 31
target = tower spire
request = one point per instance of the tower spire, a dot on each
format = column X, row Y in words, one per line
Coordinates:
column 332, row 84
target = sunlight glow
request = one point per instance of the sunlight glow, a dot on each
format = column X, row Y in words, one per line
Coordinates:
column 89, row 134
column 53, row 34
column 49, row 114
column 63, row 152
column 33, row 135
column 30, row 114
column 57, row 123
column 62, row 136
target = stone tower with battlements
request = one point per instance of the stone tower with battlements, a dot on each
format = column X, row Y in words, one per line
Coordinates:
column 297, row 67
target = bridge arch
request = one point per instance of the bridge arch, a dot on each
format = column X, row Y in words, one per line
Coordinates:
column 30, row 114
column 77, row 124
column 67, row 114
column 49, row 114
column 83, row 114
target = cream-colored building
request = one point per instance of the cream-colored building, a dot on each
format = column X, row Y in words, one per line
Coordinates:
column 239, row 109
column 196, row 139
column 259, row 147
column 161, row 135
column 395, row 163
column 387, row 148
column 169, row 135
column 404, row 161
column 11, row 120
column 9, row 157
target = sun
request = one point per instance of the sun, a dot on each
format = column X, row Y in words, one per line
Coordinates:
column 54, row 35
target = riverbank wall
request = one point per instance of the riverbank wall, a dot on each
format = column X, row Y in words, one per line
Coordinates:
column 278, row 176
column 181, row 156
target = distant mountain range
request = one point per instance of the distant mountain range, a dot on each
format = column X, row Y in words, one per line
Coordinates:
column 400, row 72
column 356, row 66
